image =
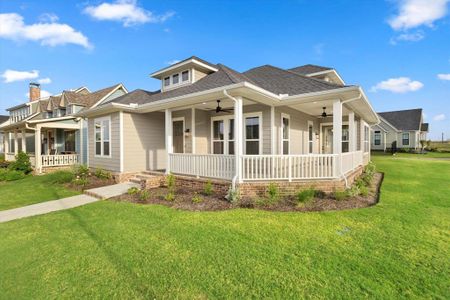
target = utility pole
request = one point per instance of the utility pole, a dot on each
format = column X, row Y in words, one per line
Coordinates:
column 442, row 138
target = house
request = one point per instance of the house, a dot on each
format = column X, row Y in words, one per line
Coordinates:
column 3, row 119
column 209, row 121
column 403, row 129
column 47, row 127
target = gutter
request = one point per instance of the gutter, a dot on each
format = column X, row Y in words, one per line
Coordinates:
column 235, row 177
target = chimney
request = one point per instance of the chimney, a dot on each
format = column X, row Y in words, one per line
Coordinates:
column 35, row 91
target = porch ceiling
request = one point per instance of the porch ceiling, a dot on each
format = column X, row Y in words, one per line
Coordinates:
column 316, row 108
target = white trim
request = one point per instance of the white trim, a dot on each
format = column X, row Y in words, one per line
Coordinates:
column 252, row 115
column 282, row 140
column 87, row 139
column 180, row 83
column 310, row 124
column 193, row 141
column 272, row 130
column 184, row 128
column 326, row 72
column 226, row 130
column 100, row 120
column 180, row 64
column 409, row 138
column 121, row 140
column 329, row 124
column 109, row 94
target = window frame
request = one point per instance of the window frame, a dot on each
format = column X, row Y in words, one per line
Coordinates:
column 366, row 138
column 403, row 139
column 310, row 141
column 377, row 133
column 188, row 77
column 102, row 141
column 282, row 139
column 226, row 130
column 260, row 140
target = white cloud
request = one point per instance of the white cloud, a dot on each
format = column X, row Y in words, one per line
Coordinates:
column 398, row 85
column 408, row 37
column 44, row 80
column 48, row 18
column 444, row 76
column 13, row 75
column 440, row 117
column 172, row 62
column 13, row 27
column 125, row 11
column 44, row 94
column 415, row 13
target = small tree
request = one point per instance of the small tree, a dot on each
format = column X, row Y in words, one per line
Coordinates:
column 22, row 163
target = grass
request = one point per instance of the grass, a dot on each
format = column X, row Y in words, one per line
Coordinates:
column 34, row 189
column 441, row 145
column 396, row 249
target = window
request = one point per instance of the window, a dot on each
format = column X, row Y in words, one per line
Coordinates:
column 285, row 132
column 48, row 115
column 345, row 138
column 185, row 76
column 69, row 138
column 231, row 137
column 175, row 78
column 252, row 135
column 405, row 138
column 102, row 137
column 377, row 138
column 218, row 137
column 366, row 138
column 310, row 137
column 167, row 81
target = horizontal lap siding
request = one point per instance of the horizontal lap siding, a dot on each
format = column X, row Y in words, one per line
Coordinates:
column 202, row 131
column 266, row 124
column 108, row 163
column 144, row 142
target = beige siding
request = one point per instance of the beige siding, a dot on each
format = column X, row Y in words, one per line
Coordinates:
column 108, row 163
column 202, row 131
column 144, row 142
column 198, row 74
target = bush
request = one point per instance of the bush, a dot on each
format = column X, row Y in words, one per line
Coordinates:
column 81, row 181
column 170, row 197
column 208, row 188
column 11, row 175
column 306, row 195
column 353, row 191
column 197, row 198
column 81, row 171
column 233, row 196
column 60, row 177
column 144, row 195
column 340, row 195
column 364, row 191
column 133, row 190
column 102, row 174
column 273, row 193
column 4, row 164
column 171, row 182
column 22, row 163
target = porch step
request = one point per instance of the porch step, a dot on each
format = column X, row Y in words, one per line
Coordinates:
column 150, row 180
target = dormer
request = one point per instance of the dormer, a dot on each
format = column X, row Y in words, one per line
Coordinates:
column 183, row 73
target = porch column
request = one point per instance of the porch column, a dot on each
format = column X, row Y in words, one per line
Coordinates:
column 193, row 147
column 272, row 131
column 169, row 141
column 24, row 140
column 6, row 137
column 238, row 133
column 37, row 149
column 351, row 132
column 16, row 143
column 337, row 134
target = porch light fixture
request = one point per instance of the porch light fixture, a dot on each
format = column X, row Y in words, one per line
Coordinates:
column 324, row 114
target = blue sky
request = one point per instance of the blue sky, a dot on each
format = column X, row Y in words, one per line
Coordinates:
column 398, row 51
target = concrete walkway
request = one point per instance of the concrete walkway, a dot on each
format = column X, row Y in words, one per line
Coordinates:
column 92, row 195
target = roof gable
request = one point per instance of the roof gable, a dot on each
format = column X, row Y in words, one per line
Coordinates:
column 404, row 119
column 309, row 69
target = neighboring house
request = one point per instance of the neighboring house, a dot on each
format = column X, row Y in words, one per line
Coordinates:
column 208, row 120
column 48, row 129
column 404, row 128
column 3, row 119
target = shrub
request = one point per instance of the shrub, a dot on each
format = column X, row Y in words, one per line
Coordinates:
column 2, row 157
column 340, row 195
column 144, row 195
column 4, row 164
column 233, row 196
column 171, row 182
column 81, row 171
column 22, row 163
column 133, row 190
column 11, row 175
column 81, row 181
column 306, row 195
column 208, row 188
column 170, row 197
column 364, row 191
column 273, row 193
column 197, row 198
column 102, row 174
column 353, row 191
column 60, row 177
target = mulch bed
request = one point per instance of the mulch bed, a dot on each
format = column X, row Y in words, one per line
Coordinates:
column 183, row 200
column 93, row 182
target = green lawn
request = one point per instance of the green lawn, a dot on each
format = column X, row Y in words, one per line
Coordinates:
column 31, row 190
column 397, row 249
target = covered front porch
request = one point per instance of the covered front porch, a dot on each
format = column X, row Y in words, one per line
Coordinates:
column 246, row 140
column 48, row 144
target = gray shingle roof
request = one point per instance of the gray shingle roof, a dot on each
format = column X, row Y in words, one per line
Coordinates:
column 3, row 119
column 309, row 69
column 424, row 127
column 279, row 81
column 404, row 119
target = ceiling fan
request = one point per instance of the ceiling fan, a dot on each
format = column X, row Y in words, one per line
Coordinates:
column 220, row 109
column 324, row 113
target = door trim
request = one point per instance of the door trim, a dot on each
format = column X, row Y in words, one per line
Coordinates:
column 178, row 119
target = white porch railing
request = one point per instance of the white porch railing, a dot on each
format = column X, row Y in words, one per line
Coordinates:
column 59, row 160
column 10, row 156
column 350, row 160
column 288, row 167
column 203, row 165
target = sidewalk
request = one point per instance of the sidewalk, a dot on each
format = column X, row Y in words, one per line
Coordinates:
column 90, row 196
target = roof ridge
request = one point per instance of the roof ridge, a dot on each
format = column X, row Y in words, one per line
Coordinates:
column 229, row 72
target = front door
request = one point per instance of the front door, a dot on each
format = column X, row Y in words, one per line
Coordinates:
column 178, row 136
column 327, row 143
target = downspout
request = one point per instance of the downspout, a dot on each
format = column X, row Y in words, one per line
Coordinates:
column 233, row 181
